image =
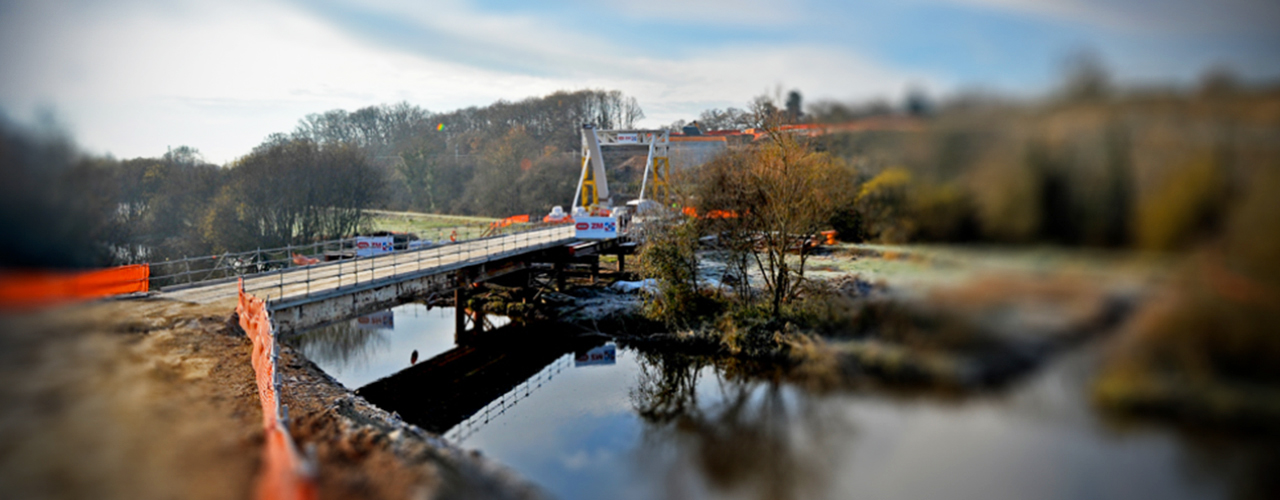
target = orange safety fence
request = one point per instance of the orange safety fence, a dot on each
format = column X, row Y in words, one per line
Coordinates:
column 303, row 260
column 284, row 473
column 514, row 219
column 714, row 214
column 27, row 289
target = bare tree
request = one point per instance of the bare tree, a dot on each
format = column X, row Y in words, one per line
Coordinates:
column 766, row 203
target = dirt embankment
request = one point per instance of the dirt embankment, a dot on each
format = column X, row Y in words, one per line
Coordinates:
column 156, row 399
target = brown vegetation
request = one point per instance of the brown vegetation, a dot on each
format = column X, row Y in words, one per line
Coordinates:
column 1209, row 350
column 1153, row 170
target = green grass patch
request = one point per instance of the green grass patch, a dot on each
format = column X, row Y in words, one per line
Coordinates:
column 429, row 226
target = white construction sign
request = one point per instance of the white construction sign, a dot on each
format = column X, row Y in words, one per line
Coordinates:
column 595, row 228
column 368, row 246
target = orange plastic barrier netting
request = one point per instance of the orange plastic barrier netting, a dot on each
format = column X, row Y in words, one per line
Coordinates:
column 25, row 289
column 714, row 214
column 284, row 474
column 514, row 219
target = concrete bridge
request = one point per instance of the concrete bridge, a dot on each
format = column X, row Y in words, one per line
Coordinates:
column 303, row 297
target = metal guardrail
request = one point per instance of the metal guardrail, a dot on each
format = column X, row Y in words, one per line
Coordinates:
column 300, row 282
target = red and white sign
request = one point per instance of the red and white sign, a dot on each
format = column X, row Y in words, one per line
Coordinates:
column 604, row 355
column 628, row 138
column 381, row 320
column 595, row 228
column 368, row 246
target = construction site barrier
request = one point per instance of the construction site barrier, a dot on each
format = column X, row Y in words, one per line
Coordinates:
column 285, row 475
column 514, row 219
column 29, row 289
column 714, row 214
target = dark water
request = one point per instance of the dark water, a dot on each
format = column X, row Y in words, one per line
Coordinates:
column 608, row 422
column 370, row 347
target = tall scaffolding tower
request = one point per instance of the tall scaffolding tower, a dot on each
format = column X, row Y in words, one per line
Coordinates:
column 593, row 185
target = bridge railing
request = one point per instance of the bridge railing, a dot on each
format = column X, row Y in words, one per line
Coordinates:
column 301, row 281
column 194, row 271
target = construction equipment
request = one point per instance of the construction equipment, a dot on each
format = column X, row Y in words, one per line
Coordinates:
column 592, row 211
column 593, row 196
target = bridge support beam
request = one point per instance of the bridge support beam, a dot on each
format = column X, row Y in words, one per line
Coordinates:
column 350, row 302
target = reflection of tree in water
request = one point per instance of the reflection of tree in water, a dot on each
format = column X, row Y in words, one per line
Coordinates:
column 340, row 344
column 751, row 436
column 667, row 388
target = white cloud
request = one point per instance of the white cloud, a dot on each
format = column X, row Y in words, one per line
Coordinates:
column 132, row 78
column 714, row 12
column 1153, row 16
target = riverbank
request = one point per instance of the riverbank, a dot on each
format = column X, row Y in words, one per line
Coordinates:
column 938, row 318
column 156, row 399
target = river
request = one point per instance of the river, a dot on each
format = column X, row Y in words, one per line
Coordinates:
column 604, row 421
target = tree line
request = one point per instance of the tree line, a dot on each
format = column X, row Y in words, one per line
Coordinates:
column 64, row 208
column 1091, row 165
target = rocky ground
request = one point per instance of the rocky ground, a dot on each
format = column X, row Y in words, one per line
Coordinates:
column 156, row 399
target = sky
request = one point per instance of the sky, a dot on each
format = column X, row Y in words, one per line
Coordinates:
column 134, row 77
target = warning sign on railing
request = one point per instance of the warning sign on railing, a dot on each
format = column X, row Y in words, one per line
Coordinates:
column 368, row 246
column 596, row 228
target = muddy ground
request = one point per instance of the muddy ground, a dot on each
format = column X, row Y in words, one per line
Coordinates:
column 156, row 399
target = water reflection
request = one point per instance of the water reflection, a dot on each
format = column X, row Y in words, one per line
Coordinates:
column 750, row 439
column 342, row 344
column 447, row 389
column 596, row 420
column 373, row 346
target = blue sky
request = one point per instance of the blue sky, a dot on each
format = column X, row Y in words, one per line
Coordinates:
column 131, row 77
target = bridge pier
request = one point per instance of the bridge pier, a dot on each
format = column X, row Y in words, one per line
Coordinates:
column 459, row 313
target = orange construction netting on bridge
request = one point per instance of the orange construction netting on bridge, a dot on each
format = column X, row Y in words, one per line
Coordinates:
column 28, row 289
column 284, row 474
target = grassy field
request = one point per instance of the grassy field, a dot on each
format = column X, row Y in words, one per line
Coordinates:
column 921, row 267
column 429, row 226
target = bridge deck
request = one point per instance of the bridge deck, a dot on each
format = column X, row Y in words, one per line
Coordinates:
column 302, row 282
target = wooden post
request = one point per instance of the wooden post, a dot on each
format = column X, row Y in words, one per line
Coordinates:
column 559, row 272
column 622, row 263
column 477, row 322
column 459, row 315
column 595, row 268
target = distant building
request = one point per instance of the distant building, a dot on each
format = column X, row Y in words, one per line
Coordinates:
column 690, row 151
